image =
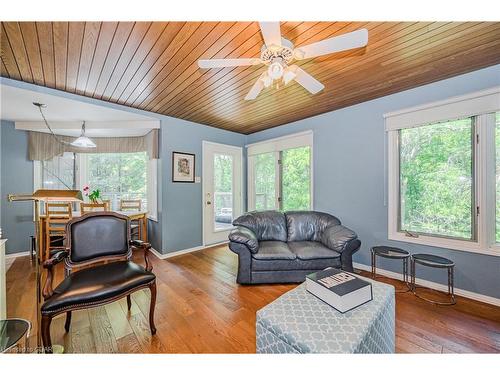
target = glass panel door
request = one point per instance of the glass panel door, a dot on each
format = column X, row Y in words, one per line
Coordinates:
column 223, row 191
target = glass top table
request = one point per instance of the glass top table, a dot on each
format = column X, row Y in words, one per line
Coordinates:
column 390, row 252
column 11, row 331
column 432, row 260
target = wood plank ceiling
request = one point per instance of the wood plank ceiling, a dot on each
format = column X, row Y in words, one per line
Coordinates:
column 153, row 65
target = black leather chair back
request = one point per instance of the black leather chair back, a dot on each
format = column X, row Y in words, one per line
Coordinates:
column 98, row 235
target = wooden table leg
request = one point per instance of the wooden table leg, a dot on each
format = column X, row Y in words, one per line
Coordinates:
column 144, row 231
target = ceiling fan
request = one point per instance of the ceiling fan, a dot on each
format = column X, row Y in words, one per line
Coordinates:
column 277, row 53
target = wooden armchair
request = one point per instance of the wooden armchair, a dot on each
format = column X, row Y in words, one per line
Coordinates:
column 99, row 242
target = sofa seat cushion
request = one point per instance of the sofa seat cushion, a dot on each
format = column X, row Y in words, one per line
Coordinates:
column 274, row 250
column 307, row 250
column 297, row 264
column 92, row 285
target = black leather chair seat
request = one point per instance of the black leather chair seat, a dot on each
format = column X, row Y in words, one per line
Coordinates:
column 273, row 250
column 308, row 250
column 97, row 284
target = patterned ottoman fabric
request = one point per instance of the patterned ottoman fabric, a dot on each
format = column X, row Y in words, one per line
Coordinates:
column 299, row 322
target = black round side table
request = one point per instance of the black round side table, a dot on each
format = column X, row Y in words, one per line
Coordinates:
column 391, row 253
column 434, row 261
column 13, row 330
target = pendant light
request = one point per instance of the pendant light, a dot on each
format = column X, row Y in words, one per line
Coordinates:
column 82, row 141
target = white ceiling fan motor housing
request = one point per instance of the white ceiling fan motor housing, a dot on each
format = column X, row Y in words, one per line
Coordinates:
column 284, row 52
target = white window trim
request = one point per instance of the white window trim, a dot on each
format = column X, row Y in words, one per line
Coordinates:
column 485, row 166
column 81, row 173
column 277, row 145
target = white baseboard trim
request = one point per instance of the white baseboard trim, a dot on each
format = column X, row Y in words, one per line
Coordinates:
column 432, row 285
column 184, row 251
column 9, row 258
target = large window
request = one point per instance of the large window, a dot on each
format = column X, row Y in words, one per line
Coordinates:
column 265, row 181
column 436, row 179
column 296, row 178
column 279, row 174
column 117, row 176
column 59, row 173
column 444, row 173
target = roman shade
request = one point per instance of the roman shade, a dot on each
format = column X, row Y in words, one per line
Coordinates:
column 43, row 146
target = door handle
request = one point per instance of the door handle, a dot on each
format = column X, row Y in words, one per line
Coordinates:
column 209, row 203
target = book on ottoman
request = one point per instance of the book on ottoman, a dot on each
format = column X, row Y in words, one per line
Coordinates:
column 341, row 290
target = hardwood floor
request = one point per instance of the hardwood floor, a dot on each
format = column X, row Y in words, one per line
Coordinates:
column 201, row 309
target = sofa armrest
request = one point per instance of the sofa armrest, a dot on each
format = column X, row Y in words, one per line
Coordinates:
column 245, row 237
column 336, row 237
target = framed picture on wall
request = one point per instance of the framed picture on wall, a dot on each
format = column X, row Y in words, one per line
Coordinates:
column 182, row 167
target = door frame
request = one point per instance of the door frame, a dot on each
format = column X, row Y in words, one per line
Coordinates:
column 239, row 150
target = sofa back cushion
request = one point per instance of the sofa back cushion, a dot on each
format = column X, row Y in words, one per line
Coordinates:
column 266, row 225
column 308, row 225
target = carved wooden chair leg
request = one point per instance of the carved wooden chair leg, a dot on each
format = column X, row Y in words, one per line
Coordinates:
column 129, row 302
column 47, row 342
column 152, row 289
column 68, row 321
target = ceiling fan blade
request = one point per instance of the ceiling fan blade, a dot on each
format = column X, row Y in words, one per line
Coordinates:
column 256, row 88
column 356, row 39
column 223, row 63
column 271, row 33
column 306, row 80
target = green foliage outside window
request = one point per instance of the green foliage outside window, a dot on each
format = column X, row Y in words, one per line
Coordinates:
column 296, row 178
column 265, row 174
column 223, row 182
column 118, row 176
column 436, row 179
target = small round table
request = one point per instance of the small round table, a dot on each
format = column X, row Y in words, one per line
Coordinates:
column 391, row 253
column 13, row 330
column 434, row 261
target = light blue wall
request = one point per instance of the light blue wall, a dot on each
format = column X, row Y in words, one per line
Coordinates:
column 183, row 201
column 179, row 224
column 16, row 177
column 350, row 178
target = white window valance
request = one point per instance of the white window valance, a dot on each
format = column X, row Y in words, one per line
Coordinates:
column 477, row 103
column 43, row 146
column 282, row 143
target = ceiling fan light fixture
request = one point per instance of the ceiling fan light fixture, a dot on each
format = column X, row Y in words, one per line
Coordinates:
column 83, row 141
column 275, row 70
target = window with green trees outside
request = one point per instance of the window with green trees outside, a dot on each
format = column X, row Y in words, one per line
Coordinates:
column 296, row 179
column 437, row 179
column 118, row 176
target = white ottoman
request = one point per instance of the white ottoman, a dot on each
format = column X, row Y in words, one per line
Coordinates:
column 299, row 322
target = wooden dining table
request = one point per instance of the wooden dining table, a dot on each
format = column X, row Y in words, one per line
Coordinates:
column 140, row 216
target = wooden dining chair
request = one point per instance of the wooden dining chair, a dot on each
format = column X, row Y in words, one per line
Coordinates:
column 85, row 208
column 57, row 216
column 132, row 205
